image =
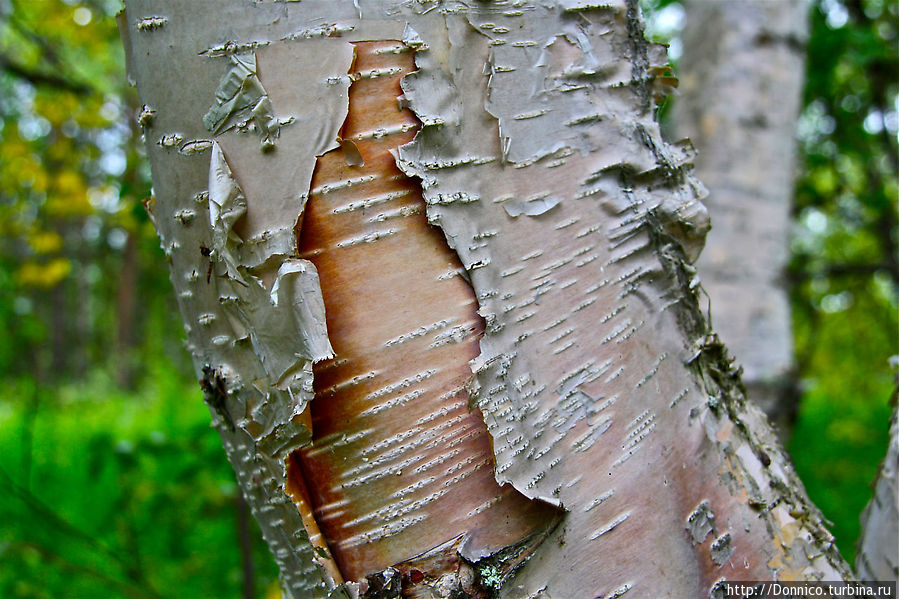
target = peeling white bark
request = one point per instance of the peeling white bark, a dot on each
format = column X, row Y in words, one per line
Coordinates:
column 878, row 547
column 601, row 385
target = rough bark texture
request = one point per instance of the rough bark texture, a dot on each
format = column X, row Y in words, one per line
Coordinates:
column 741, row 81
column 604, row 392
column 878, row 547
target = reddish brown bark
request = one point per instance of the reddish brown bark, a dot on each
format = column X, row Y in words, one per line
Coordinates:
column 399, row 463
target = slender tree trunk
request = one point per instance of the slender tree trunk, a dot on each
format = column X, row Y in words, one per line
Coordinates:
column 878, row 547
column 128, row 292
column 245, row 539
column 126, row 313
column 742, row 73
column 60, row 338
column 445, row 320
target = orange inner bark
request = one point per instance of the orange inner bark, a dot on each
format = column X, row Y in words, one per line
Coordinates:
column 399, row 462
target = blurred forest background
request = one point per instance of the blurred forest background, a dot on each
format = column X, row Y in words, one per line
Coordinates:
column 112, row 481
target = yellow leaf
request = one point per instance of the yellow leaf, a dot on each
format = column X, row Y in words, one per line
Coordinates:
column 68, row 195
column 56, row 108
column 14, row 147
column 39, row 180
column 61, row 150
column 68, row 205
column 69, row 182
column 44, row 276
column 45, row 242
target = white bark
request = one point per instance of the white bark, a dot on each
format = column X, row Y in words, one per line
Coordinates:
column 741, row 79
column 603, row 390
column 878, row 547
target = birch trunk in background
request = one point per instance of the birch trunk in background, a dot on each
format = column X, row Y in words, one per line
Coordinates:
column 741, row 78
column 433, row 260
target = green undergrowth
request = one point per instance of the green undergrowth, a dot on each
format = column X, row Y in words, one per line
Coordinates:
column 837, row 446
column 117, row 494
column 841, row 434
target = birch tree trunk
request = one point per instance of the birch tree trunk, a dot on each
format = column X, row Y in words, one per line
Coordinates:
column 433, row 262
column 878, row 547
column 742, row 74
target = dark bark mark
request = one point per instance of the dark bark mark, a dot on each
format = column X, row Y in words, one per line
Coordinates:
column 215, row 394
column 640, row 78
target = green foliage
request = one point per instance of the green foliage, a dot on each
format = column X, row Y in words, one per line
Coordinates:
column 844, row 272
column 71, row 181
column 103, row 491
column 116, row 494
column 842, row 430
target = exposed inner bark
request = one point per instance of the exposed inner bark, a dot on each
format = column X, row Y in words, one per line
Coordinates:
column 400, row 464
